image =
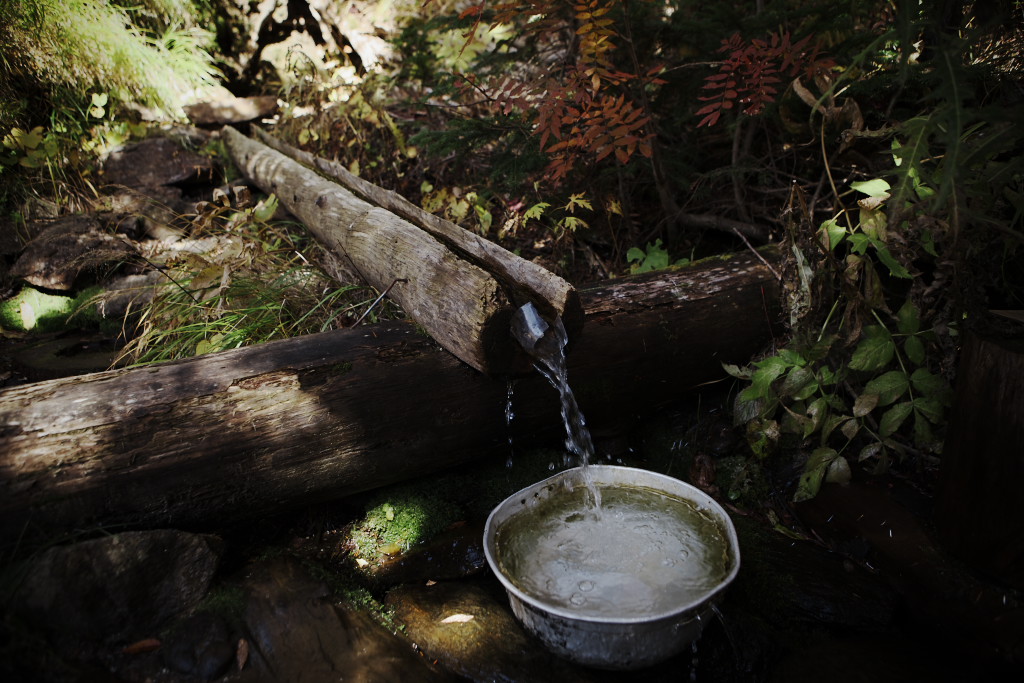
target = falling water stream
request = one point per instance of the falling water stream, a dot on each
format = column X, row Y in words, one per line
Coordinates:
column 546, row 345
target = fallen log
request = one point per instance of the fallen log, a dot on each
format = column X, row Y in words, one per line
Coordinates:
column 523, row 280
column 249, row 431
column 458, row 301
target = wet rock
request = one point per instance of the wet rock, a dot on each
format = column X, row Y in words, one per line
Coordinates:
column 981, row 617
column 796, row 582
column 455, row 553
column 64, row 249
column 200, row 646
column 231, row 110
column 129, row 293
column 864, row 658
column 297, row 633
column 473, row 634
column 120, row 588
column 158, row 211
column 154, row 162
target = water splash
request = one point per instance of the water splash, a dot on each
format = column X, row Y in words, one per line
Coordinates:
column 546, row 344
column 509, row 416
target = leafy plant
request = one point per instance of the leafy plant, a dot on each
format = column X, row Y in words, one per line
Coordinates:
column 748, row 77
column 879, row 398
column 654, row 257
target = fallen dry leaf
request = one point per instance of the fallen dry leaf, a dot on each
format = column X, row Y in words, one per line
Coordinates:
column 142, row 646
column 242, row 653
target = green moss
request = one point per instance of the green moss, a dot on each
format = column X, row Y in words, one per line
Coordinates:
column 226, row 601
column 31, row 310
column 346, row 587
column 341, row 368
column 396, row 521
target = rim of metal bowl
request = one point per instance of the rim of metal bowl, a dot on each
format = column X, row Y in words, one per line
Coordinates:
column 490, row 533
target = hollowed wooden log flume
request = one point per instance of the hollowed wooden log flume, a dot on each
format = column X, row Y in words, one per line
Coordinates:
column 246, row 432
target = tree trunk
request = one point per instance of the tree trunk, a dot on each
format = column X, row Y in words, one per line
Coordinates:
column 460, row 304
column 248, row 431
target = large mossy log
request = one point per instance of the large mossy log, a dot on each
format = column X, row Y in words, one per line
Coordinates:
column 458, row 300
column 248, row 431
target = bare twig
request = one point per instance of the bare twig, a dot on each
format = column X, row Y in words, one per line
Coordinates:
column 759, row 257
column 377, row 300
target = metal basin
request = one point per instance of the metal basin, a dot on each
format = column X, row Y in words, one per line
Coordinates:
column 620, row 642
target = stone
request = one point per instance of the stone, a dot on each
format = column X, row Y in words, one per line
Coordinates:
column 120, row 588
column 473, row 634
column 154, row 162
column 66, row 248
column 455, row 553
column 200, row 646
column 297, row 632
column 235, row 110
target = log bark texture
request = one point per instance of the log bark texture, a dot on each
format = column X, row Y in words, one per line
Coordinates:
column 253, row 430
column 461, row 305
column 977, row 502
column 522, row 280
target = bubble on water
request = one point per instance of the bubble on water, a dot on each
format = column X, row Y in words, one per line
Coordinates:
column 668, row 562
column 577, row 599
column 586, row 586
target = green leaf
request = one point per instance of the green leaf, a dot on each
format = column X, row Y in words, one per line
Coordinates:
column 885, row 256
column 893, row 418
column 99, row 99
column 537, row 210
column 838, row 471
column 914, row 348
column 745, row 410
column 816, row 412
column 485, row 218
column 859, row 243
column 830, row 423
column 872, row 188
column 266, row 209
column 931, row 408
column 923, row 436
column 889, row 386
column 796, row 381
column 869, row 451
column 873, row 223
column 928, row 242
column 762, row 436
column 736, row 371
column 827, row 376
column 930, row 384
column 908, row 318
column 834, row 233
column 768, row 370
column 874, row 351
column 814, row 472
column 791, row 357
column 850, row 428
column 635, row 254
